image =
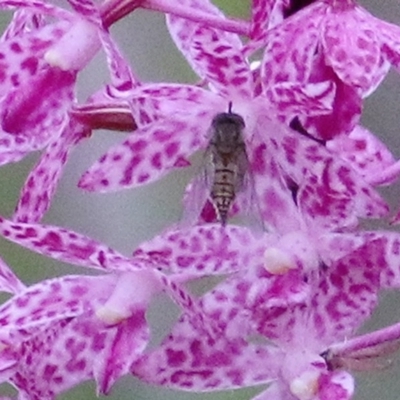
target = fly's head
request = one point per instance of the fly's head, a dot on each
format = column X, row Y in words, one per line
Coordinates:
column 227, row 132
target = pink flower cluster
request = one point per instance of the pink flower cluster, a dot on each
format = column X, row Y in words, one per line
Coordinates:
column 294, row 291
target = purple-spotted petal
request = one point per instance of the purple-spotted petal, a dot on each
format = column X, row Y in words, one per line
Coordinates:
column 68, row 246
column 14, row 148
column 260, row 15
column 22, row 22
column 23, row 56
column 125, row 343
column 222, row 65
column 59, row 348
column 390, row 253
column 38, row 6
column 38, row 191
column 156, row 101
column 265, row 15
column 347, row 292
column 338, row 385
column 351, row 47
column 148, row 154
column 345, row 115
column 9, row 282
column 38, row 107
column 186, row 33
column 202, row 250
column 389, row 35
column 293, row 64
column 258, row 302
column 328, row 191
column 292, row 98
column 276, row 201
column 41, row 370
column 49, row 301
column 194, row 362
column 363, row 150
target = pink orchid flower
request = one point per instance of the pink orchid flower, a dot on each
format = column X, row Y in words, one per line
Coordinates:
column 100, row 318
column 41, row 62
column 174, row 120
column 334, row 40
column 303, row 300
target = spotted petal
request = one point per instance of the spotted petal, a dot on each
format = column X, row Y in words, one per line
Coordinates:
column 156, row 101
column 9, row 282
column 203, row 250
column 193, row 362
column 351, row 47
column 65, row 245
column 38, row 191
column 364, row 151
column 145, row 156
column 293, row 64
column 189, row 35
column 330, row 193
column 223, row 65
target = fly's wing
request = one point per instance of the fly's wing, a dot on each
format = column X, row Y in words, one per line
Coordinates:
column 246, row 200
column 198, row 191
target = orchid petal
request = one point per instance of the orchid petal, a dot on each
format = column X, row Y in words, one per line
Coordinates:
column 65, row 245
column 45, row 302
column 185, row 33
column 19, row 65
column 37, row 193
column 292, row 98
column 14, row 148
column 276, row 200
column 389, row 34
column 345, row 115
column 202, row 250
column 364, row 151
column 390, row 253
column 53, row 356
column 38, row 6
column 193, row 362
column 354, row 57
column 126, row 344
column 347, row 294
column 293, row 64
column 330, row 192
column 39, row 106
column 145, row 156
column 338, row 385
column 154, row 101
column 22, row 22
column 222, row 65
column 9, row 282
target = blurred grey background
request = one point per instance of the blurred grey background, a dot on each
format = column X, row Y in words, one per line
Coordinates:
column 124, row 219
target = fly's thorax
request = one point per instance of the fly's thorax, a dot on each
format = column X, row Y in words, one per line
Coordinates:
column 227, row 132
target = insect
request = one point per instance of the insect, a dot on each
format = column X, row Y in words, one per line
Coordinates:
column 225, row 175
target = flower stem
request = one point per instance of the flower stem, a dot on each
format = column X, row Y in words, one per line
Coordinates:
column 386, row 176
column 374, row 339
column 113, row 10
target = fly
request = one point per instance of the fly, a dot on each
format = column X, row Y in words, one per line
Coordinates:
column 227, row 152
column 226, row 175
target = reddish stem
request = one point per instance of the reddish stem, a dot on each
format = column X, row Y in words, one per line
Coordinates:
column 380, row 337
column 114, row 10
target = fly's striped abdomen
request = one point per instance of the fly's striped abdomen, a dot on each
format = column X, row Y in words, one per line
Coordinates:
column 223, row 191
